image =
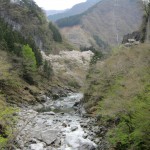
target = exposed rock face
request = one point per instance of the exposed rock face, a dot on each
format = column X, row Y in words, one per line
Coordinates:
column 71, row 66
column 26, row 17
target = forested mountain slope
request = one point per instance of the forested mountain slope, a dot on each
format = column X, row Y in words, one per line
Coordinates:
column 52, row 12
column 107, row 21
column 27, row 18
column 24, row 76
column 118, row 93
column 77, row 9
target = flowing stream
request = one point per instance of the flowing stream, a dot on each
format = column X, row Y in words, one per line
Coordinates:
column 56, row 125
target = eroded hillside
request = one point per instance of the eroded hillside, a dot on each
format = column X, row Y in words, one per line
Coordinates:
column 107, row 21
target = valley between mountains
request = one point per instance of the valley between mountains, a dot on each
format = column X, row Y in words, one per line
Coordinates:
column 76, row 80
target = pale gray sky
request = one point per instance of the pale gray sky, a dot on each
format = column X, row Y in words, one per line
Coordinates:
column 57, row 4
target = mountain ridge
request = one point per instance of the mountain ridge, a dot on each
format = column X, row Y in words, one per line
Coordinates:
column 76, row 9
column 52, row 12
column 94, row 22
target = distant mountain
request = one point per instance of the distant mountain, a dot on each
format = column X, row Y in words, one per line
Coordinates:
column 106, row 21
column 77, row 9
column 52, row 12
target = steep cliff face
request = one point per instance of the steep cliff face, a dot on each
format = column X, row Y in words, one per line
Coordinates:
column 26, row 17
column 24, row 31
column 107, row 21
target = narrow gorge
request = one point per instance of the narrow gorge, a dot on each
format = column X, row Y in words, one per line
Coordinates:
column 59, row 124
column 80, row 81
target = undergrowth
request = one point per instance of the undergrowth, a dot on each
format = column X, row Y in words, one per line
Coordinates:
column 119, row 88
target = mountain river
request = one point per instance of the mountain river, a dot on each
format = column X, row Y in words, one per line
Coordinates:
column 56, row 125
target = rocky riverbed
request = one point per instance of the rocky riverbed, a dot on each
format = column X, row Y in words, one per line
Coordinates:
column 58, row 125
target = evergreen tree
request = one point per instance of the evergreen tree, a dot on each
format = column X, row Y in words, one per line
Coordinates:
column 47, row 68
column 56, row 34
column 29, row 64
column 29, row 58
column 36, row 51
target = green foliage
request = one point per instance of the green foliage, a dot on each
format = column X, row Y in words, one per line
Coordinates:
column 12, row 41
column 69, row 21
column 7, row 121
column 9, row 38
column 3, row 142
column 133, row 130
column 30, row 21
column 28, row 54
column 37, row 52
column 119, row 87
column 74, row 84
column 47, row 68
column 100, row 42
column 56, row 34
column 97, row 54
column 29, row 58
column 29, row 64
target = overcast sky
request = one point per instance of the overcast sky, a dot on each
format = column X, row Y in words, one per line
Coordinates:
column 57, row 4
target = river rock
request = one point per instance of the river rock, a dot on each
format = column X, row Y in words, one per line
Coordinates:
column 57, row 142
column 38, row 107
column 55, row 96
column 84, row 125
column 49, row 113
column 64, row 124
column 33, row 141
column 97, row 140
column 49, row 136
column 54, row 131
column 85, row 135
column 82, row 111
column 43, row 98
column 87, row 147
column 49, row 122
column 96, row 130
column 76, row 104
column 38, row 146
column 74, row 128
